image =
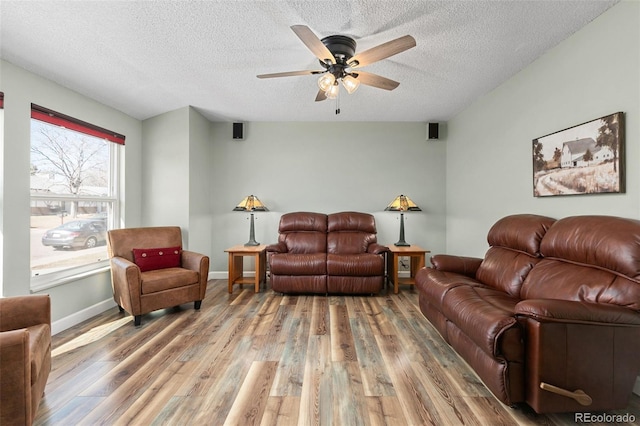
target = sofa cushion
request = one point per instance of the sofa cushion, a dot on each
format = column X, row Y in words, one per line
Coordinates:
column 580, row 283
column 487, row 317
column 363, row 264
column 434, row 284
column 298, row 264
column 351, row 221
column 39, row 348
column 505, row 269
column 521, row 232
column 514, row 248
column 303, row 232
column 164, row 279
column 157, row 258
column 350, row 232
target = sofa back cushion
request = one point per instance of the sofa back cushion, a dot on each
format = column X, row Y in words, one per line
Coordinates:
column 589, row 258
column 303, row 232
column 121, row 242
column 350, row 232
column 514, row 249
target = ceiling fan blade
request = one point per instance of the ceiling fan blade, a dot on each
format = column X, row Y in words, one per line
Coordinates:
column 289, row 74
column 313, row 43
column 321, row 96
column 375, row 80
column 382, row 51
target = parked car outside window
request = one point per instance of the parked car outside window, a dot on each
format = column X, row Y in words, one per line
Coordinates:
column 85, row 233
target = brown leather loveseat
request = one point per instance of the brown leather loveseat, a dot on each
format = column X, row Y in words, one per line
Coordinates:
column 320, row 253
column 550, row 316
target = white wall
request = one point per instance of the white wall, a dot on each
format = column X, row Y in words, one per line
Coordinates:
column 200, row 183
column 175, row 178
column 326, row 167
column 165, row 169
column 21, row 88
column 594, row 73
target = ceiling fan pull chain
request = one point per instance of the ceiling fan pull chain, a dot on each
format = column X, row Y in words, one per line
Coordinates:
column 338, row 104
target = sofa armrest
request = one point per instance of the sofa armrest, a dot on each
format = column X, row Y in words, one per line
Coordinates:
column 193, row 261
column 567, row 311
column 126, row 282
column 458, row 264
column 24, row 311
column 376, row 248
column 15, row 371
column 277, row 248
column 200, row 263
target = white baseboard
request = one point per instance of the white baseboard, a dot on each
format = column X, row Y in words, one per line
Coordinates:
column 636, row 388
column 218, row 275
column 83, row 315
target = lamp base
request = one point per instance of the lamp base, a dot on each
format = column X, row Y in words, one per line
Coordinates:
column 402, row 244
column 252, row 235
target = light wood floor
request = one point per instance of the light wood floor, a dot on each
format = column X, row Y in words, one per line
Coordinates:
column 264, row 358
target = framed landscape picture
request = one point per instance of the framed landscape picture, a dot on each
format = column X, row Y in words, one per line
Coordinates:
column 583, row 159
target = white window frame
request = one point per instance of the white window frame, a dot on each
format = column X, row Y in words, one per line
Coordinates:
column 53, row 279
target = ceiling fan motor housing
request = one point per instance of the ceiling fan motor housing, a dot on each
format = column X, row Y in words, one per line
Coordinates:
column 342, row 47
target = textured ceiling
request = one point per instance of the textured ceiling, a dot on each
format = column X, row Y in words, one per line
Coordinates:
column 148, row 57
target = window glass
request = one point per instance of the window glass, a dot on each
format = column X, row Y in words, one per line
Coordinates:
column 73, row 199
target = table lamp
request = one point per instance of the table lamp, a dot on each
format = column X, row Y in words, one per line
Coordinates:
column 251, row 204
column 401, row 204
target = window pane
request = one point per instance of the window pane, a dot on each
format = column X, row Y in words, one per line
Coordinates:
column 68, row 162
column 60, row 240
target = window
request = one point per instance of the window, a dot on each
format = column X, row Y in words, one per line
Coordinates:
column 74, row 195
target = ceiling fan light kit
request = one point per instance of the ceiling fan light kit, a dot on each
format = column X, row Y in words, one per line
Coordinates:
column 337, row 55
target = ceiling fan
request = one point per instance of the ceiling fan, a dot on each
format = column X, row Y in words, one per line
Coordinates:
column 338, row 58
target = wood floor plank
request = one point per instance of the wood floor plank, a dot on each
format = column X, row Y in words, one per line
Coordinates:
column 316, row 399
column 342, row 344
column 272, row 359
column 413, row 398
column 281, row 410
column 375, row 377
column 385, row 410
column 349, row 404
column 290, row 371
column 251, row 401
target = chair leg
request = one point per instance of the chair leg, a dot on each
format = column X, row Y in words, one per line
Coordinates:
column 197, row 304
column 120, row 308
column 137, row 320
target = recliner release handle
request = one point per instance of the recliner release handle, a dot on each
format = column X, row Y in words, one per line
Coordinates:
column 578, row 395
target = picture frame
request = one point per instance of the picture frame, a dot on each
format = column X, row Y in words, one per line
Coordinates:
column 584, row 159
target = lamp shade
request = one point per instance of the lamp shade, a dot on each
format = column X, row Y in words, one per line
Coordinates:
column 250, row 203
column 402, row 203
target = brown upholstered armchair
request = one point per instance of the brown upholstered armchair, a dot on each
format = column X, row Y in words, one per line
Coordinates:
column 25, row 356
column 150, row 271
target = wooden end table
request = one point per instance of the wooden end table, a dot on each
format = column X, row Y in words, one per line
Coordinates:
column 236, row 267
column 416, row 256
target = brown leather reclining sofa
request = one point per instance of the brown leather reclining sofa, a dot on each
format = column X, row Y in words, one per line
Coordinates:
column 319, row 253
column 550, row 316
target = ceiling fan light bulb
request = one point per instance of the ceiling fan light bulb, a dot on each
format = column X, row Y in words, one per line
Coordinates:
column 350, row 83
column 332, row 93
column 326, row 81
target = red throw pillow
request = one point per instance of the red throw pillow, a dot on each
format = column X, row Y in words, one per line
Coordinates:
column 157, row 258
